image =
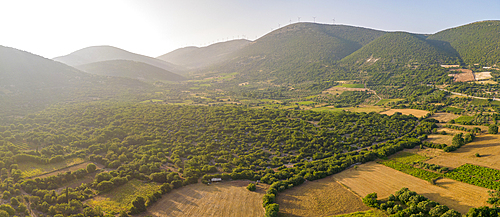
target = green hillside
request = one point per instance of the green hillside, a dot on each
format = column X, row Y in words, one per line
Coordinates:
column 297, row 52
column 29, row 83
column 130, row 69
column 399, row 49
column 477, row 43
column 198, row 57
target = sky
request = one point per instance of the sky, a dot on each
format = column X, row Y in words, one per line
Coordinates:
column 52, row 28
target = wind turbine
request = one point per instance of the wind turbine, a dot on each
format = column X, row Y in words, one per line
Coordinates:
column 314, row 19
column 333, row 21
column 299, row 19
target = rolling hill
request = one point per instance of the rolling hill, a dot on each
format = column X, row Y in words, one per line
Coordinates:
column 130, row 69
column 399, row 49
column 477, row 43
column 199, row 57
column 292, row 53
column 105, row 53
column 29, row 83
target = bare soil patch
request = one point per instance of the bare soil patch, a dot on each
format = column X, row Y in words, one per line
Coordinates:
column 488, row 146
column 218, row 199
column 465, row 76
column 373, row 177
column 482, row 75
column 444, row 117
column 414, row 112
column 324, row 197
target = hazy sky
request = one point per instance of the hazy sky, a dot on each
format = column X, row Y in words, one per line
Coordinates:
column 53, row 28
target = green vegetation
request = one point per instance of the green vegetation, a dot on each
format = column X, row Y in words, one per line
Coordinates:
column 476, row 175
column 369, row 213
column 419, row 173
column 408, row 203
column 353, row 85
column 251, row 187
column 474, row 42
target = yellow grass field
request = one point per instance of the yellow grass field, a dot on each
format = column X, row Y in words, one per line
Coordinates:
column 373, row 177
column 486, row 145
column 218, row 199
column 444, row 117
column 324, row 197
column 366, row 108
column 120, row 198
column 440, row 139
column 415, row 112
column 30, row 169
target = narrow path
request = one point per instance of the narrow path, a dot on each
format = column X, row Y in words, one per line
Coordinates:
column 379, row 98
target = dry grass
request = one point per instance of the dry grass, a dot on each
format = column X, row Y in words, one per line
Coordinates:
column 218, row 199
column 31, row 169
column 366, row 108
column 439, row 139
column 485, row 145
column 415, row 112
column 372, row 177
column 324, row 197
column 444, row 117
column 482, row 75
column 72, row 168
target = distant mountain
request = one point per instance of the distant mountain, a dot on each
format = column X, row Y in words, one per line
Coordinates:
column 130, row 69
column 477, row 43
column 290, row 53
column 105, row 53
column 199, row 57
column 29, row 83
column 400, row 49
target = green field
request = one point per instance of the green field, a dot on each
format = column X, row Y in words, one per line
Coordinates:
column 328, row 109
column 152, row 100
column 353, row 85
column 121, row 198
column 385, row 101
column 30, row 169
column 464, row 119
column 306, row 102
column 453, row 110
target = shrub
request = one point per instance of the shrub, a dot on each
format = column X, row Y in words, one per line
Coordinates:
column 251, row 187
column 493, row 129
column 371, row 200
column 91, row 168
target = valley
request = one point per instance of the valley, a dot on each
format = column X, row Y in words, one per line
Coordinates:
column 307, row 120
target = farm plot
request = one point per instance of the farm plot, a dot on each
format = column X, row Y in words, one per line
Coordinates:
column 482, row 75
column 415, row 112
column 440, row 139
column 120, row 198
column 444, row 117
column 218, row 199
column 487, row 146
column 69, row 169
column 324, row 197
column 373, row 177
column 31, row 169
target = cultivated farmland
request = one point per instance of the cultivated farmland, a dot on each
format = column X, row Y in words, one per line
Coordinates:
column 324, row 197
column 373, row 177
column 485, row 145
column 218, row 199
column 415, row 112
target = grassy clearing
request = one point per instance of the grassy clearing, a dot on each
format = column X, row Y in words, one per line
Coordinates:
column 328, row 109
column 444, row 117
column 464, row 119
column 324, row 197
column 453, row 110
column 386, row 101
column 373, row 177
column 415, row 112
column 366, row 109
column 353, row 85
column 152, row 100
column 218, row 199
column 306, row 102
column 401, row 162
column 30, row 169
column 121, row 198
column 440, row 139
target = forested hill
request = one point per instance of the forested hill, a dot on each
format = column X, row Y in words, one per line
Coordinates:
column 130, row 69
column 105, row 53
column 290, row 53
column 477, row 43
column 198, row 57
column 399, row 49
column 29, row 83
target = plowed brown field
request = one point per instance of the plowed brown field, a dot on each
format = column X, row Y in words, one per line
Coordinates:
column 373, row 177
column 324, row 197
